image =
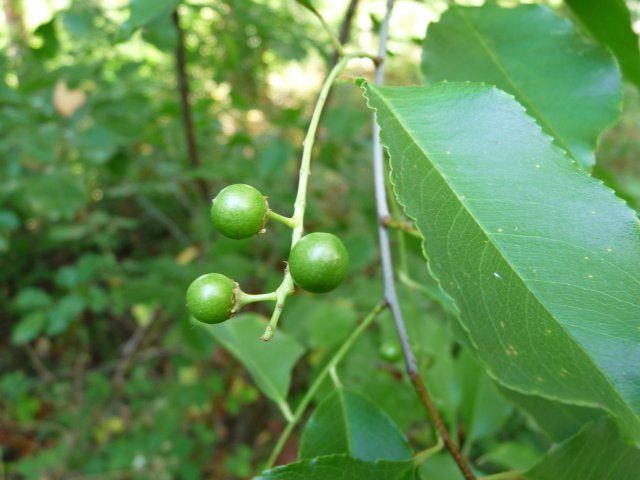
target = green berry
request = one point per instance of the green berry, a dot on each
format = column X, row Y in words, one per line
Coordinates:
column 319, row 262
column 391, row 352
column 211, row 298
column 239, row 211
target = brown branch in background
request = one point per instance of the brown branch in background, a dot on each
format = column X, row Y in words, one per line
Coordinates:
column 183, row 86
column 345, row 28
column 390, row 295
column 44, row 373
column 131, row 347
column 14, row 14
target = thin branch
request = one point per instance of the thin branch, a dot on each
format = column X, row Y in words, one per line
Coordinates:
column 130, row 348
column 390, row 294
column 336, row 43
column 185, row 105
column 18, row 36
column 382, row 207
column 163, row 219
column 44, row 372
column 421, row 388
column 405, row 227
column 335, row 360
column 345, row 28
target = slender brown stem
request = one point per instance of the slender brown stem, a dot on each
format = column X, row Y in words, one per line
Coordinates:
column 185, row 105
column 436, row 419
column 390, row 295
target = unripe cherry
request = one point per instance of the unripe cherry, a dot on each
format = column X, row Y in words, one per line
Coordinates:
column 319, row 262
column 239, row 211
column 211, row 298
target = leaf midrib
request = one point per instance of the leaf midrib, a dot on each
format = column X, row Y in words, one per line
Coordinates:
column 529, row 104
column 511, row 267
column 258, row 368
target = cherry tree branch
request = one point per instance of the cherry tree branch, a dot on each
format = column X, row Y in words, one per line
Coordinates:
column 185, row 106
column 390, row 294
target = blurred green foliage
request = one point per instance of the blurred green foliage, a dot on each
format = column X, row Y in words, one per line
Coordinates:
column 103, row 227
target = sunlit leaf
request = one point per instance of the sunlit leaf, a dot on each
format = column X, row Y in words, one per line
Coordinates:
column 571, row 87
column 542, row 261
column 144, row 11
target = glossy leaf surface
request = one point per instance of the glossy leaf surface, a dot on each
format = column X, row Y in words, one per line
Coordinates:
column 542, row 260
column 571, row 87
column 346, row 422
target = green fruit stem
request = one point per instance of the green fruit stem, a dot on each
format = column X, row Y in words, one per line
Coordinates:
column 286, row 287
column 310, row 393
column 288, row 221
column 243, row 298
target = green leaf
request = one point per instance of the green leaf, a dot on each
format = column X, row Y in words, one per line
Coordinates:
column 596, row 453
column 308, row 5
column 54, row 195
column 97, row 145
column 483, row 409
column 440, row 467
column 334, row 467
column 28, row 328
column 8, row 220
column 572, row 88
column 144, row 11
column 32, row 298
column 610, row 23
column 346, row 422
column 64, row 313
column 511, row 456
column 542, row 261
column 270, row 363
column 557, row 420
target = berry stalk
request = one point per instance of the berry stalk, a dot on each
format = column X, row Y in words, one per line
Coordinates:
column 286, row 287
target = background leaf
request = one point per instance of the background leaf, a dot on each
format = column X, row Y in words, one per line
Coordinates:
column 484, row 411
column 571, row 87
column 557, row 420
column 550, row 303
column 596, row 453
column 270, row 364
column 346, row 422
column 610, row 23
column 326, row 468
column 145, row 11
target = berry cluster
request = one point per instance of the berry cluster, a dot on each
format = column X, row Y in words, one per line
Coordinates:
column 318, row 262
